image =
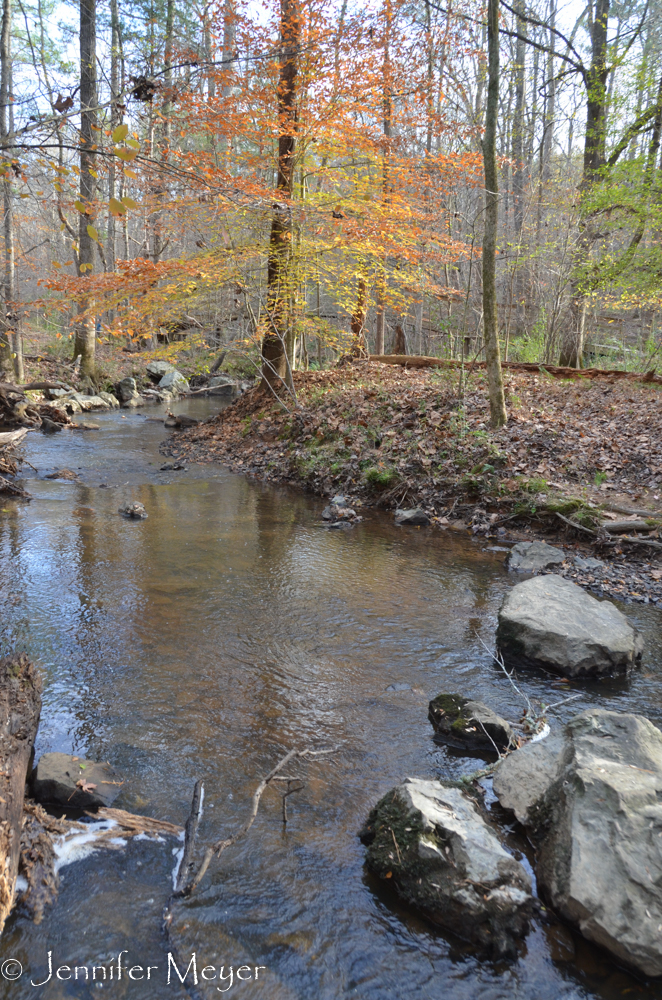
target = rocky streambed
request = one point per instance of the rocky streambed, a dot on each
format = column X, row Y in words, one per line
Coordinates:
column 302, row 637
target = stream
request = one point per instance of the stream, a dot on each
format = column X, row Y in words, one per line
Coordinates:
column 207, row 641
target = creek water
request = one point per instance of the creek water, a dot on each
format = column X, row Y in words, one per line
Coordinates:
column 207, row 641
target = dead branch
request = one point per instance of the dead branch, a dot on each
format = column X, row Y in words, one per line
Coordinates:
column 575, row 524
column 219, row 846
column 7, row 487
column 190, row 835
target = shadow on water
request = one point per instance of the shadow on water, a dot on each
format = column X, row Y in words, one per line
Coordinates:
column 208, row 640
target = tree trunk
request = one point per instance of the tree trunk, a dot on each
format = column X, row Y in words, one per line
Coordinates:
column 275, row 369
column 357, row 325
column 498, row 415
column 8, row 326
column 387, row 104
column 400, row 343
column 84, row 341
column 20, row 705
column 519, row 173
column 572, row 348
column 115, row 120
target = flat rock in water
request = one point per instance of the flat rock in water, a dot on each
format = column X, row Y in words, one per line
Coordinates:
column 523, row 777
column 448, row 864
column 64, row 474
column 85, row 425
column 532, row 556
column 599, row 835
column 552, row 623
column 461, row 722
column 414, row 515
column 73, row 782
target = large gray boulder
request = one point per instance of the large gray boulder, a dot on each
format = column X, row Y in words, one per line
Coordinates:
column 430, row 843
column 550, row 622
column 127, row 389
column 530, row 557
column 599, row 833
column 523, row 778
column 74, row 783
column 464, row 723
column 174, row 382
column 157, row 369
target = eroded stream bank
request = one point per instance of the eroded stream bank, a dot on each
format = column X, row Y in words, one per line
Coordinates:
column 208, row 640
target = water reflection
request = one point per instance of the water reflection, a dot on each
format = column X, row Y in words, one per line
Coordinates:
column 208, row 640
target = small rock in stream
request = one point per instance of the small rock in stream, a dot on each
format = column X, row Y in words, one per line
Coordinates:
column 435, row 849
column 134, row 510
column 172, row 467
column 74, row 783
column 415, row 515
column 552, row 623
column 49, row 426
column 463, row 723
column 85, row 425
column 335, row 513
column 527, row 557
column 68, row 474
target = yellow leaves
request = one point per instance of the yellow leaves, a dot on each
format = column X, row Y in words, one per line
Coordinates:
column 92, row 173
column 129, row 203
column 24, row 196
column 125, row 154
column 86, row 267
column 131, row 173
column 93, row 234
column 120, row 133
column 82, row 208
column 116, row 207
column 56, row 263
column 133, row 143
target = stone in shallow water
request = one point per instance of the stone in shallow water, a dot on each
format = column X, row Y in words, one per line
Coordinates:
column 552, row 623
column 134, row 510
column 532, row 556
column 599, row 833
column 414, row 515
column 433, row 846
column 523, row 777
column 461, row 722
column 75, row 783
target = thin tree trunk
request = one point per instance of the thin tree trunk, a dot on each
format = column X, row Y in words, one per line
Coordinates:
column 115, row 120
column 572, row 348
column 357, row 325
column 498, row 415
column 84, row 341
column 275, row 369
column 387, row 104
column 8, row 326
column 519, row 173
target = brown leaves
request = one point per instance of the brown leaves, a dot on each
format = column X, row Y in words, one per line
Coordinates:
column 85, row 786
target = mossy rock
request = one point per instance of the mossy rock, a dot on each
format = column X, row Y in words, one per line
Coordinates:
column 428, row 841
column 466, row 724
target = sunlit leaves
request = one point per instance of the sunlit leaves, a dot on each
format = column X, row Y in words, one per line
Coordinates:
column 120, row 133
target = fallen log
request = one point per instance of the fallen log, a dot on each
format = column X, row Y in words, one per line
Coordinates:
column 556, row 371
column 13, row 437
column 20, row 705
column 623, row 527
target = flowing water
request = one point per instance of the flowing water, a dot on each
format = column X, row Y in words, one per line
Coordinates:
column 205, row 642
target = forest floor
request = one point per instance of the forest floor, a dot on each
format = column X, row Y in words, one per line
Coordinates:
column 393, row 437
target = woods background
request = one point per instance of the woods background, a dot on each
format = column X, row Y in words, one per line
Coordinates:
column 312, row 173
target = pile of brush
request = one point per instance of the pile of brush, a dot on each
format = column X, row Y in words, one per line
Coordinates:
column 17, row 410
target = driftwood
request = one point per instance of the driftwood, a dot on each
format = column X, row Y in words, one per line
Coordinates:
column 43, row 835
column 556, row 371
column 13, row 437
column 184, row 885
column 20, row 705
